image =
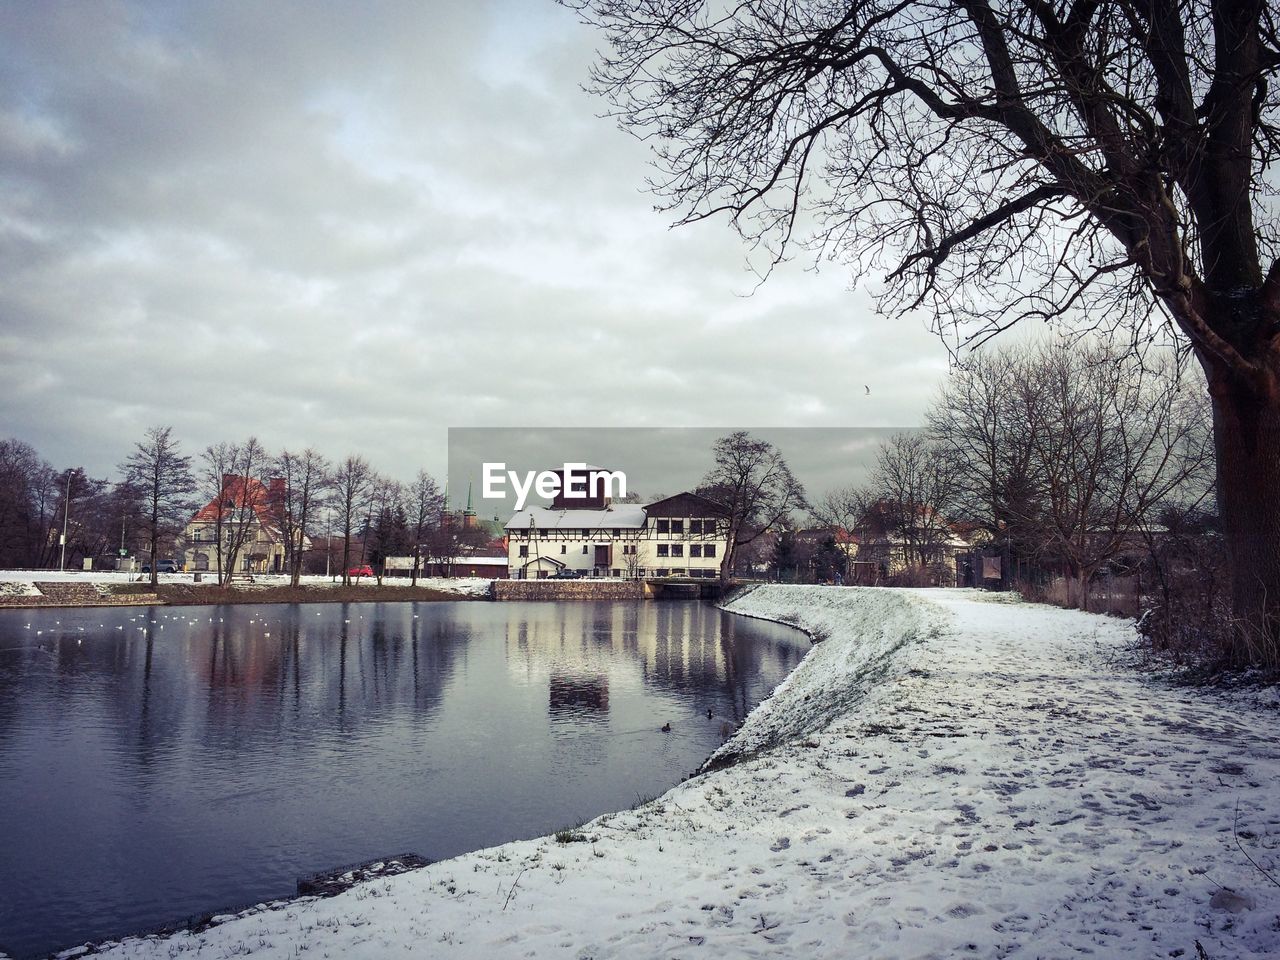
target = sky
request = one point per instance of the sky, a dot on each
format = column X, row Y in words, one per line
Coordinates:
column 357, row 225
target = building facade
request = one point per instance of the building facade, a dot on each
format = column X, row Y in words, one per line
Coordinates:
column 462, row 566
column 680, row 536
column 246, row 513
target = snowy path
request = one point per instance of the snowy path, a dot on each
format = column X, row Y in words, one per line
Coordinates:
column 989, row 780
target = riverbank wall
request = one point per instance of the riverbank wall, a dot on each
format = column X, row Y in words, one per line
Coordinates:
column 583, row 590
column 569, row 590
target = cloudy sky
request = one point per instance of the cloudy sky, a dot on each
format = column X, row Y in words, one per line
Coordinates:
column 355, row 225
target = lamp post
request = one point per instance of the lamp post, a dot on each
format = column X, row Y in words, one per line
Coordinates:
column 328, row 538
column 66, row 514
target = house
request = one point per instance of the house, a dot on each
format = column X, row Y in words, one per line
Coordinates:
column 680, row 536
column 920, row 548
column 247, row 511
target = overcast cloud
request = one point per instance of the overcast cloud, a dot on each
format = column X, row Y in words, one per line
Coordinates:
column 353, row 225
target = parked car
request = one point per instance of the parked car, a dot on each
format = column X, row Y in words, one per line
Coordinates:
column 364, row 571
column 163, row 566
column 565, row 575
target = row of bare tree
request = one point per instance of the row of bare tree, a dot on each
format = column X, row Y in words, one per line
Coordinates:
column 1064, row 456
column 244, row 487
column 37, row 501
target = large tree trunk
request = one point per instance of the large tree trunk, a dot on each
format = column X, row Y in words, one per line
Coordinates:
column 1246, row 429
column 726, row 562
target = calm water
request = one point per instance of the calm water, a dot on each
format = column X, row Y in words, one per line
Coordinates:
column 156, row 763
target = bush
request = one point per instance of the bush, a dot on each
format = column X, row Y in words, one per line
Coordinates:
column 1189, row 617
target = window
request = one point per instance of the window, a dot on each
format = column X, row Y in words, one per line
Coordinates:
column 586, row 534
column 677, row 526
column 677, row 549
column 524, row 551
column 664, row 526
column 662, row 550
column 584, row 549
column 617, row 573
column 677, row 573
column 629, row 549
column 617, row 531
column 696, row 549
column 708, row 549
column 660, row 572
column 563, row 548
column 695, row 526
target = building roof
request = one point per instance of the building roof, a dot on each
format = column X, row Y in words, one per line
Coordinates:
column 628, row 515
column 257, row 495
column 685, row 504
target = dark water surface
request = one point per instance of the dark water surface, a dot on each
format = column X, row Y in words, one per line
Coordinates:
column 161, row 762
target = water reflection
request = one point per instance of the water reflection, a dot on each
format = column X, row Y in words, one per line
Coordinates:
column 161, row 762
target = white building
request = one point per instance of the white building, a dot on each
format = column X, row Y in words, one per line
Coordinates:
column 680, row 536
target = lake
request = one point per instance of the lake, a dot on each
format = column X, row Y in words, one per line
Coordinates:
column 157, row 763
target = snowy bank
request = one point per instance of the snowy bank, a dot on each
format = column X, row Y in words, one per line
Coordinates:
column 834, row 676
column 943, row 775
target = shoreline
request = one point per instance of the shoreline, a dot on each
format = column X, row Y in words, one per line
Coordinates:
column 943, row 773
column 39, row 590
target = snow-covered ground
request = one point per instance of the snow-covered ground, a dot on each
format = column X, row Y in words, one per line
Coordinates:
column 944, row 775
column 18, row 582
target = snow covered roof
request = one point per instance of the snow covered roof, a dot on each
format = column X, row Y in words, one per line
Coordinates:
column 629, row 515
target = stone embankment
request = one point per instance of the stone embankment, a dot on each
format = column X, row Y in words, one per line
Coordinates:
column 80, row 595
column 569, row 590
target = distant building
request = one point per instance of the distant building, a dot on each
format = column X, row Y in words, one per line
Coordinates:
column 262, row 544
column 882, row 548
column 680, row 536
column 491, row 568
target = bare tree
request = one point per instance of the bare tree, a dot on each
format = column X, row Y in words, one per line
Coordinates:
column 238, row 503
column 1102, row 162
column 842, row 511
column 216, row 465
column 351, row 484
column 913, row 486
column 82, row 514
column 982, row 421
column 1112, row 442
column 386, row 527
column 425, row 506
column 754, row 488
column 451, row 538
column 161, row 475
column 26, row 485
column 305, row 476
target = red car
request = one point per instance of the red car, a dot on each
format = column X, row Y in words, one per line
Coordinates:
column 365, row 571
